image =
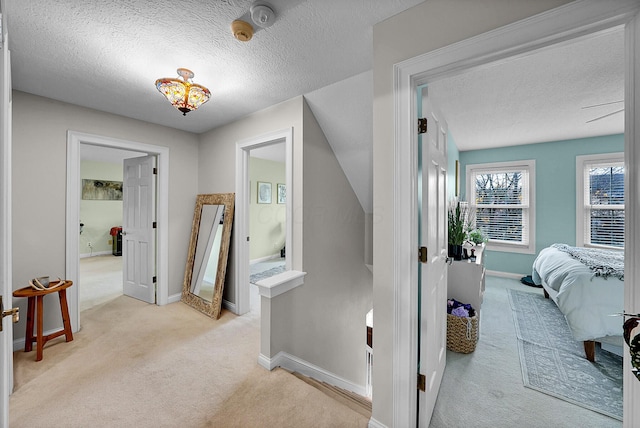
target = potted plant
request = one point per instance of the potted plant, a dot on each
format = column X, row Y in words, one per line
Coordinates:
column 457, row 228
column 477, row 237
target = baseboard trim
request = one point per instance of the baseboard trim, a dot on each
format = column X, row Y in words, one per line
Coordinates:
column 506, row 274
column 375, row 424
column 229, row 306
column 95, row 253
column 174, row 298
column 295, row 364
column 264, row 259
column 18, row 344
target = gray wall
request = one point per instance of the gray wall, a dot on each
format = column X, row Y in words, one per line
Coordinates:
column 323, row 321
column 217, row 162
column 421, row 29
column 39, row 147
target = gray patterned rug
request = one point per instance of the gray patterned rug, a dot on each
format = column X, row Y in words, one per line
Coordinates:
column 253, row 278
column 553, row 362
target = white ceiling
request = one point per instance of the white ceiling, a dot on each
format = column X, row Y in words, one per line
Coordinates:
column 107, row 56
column 539, row 97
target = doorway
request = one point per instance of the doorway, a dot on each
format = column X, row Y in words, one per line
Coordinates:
column 267, row 215
column 100, row 240
column 75, row 142
column 536, row 32
column 244, row 186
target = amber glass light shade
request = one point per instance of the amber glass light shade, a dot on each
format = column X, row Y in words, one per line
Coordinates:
column 183, row 94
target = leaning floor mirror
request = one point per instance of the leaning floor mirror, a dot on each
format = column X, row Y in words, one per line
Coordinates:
column 208, row 253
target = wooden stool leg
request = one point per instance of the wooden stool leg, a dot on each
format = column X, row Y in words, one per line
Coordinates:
column 39, row 321
column 28, row 340
column 66, row 322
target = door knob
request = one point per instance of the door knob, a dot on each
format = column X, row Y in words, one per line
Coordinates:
column 14, row 312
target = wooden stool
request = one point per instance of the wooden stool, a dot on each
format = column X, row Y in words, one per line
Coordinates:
column 35, row 298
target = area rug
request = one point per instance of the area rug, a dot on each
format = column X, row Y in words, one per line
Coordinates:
column 253, row 278
column 553, row 362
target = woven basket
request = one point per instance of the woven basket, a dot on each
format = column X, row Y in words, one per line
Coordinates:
column 462, row 333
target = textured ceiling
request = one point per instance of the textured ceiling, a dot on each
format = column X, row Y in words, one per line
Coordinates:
column 538, row 97
column 107, row 55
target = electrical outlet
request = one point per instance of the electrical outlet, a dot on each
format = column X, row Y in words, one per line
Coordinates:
column 109, row 242
column 89, row 245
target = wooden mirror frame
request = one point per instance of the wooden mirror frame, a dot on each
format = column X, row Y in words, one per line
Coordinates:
column 213, row 308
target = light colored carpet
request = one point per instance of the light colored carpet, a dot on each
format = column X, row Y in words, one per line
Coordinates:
column 135, row 364
column 100, row 280
column 140, row 365
column 553, row 361
column 484, row 389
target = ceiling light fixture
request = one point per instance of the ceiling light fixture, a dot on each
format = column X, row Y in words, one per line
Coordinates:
column 183, row 94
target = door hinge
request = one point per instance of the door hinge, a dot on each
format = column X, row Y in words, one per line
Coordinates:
column 154, row 280
column 422, row 254
column 155, row 224
column 155, row 170
column 422, row 382
column 422, row 125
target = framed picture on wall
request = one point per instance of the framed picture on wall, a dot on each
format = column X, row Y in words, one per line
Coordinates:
column 282, row 193
column 264, row 193
column 101, row 190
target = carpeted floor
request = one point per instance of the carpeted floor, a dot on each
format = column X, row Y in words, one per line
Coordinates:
column 134, row 364
column 100, row 280
column 484, row 389
column 554, row 363
column 140, row 365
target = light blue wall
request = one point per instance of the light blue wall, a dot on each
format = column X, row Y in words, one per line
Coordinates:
column 452, row 156
column 555, row 190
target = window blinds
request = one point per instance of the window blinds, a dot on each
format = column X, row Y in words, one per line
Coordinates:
column 502, row 204
column 604, row 203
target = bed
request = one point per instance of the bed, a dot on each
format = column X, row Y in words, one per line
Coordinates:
column 587, row 296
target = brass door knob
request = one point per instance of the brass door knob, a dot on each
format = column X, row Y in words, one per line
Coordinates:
column 14, row 312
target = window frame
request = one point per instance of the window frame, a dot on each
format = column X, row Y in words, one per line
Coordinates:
column 581, row 194
column 524, row 165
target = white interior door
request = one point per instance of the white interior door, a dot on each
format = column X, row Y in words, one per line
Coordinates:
column 138, row 232
column 433, row 276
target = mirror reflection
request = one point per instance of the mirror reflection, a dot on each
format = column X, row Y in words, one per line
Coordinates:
column 205, row 264
column 208, row 253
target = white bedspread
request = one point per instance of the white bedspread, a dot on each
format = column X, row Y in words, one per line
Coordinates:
column 586, row 301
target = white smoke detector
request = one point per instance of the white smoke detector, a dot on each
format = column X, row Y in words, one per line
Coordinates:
column 261, row 15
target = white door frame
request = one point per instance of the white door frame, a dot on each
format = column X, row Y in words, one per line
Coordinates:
column 241, row 217
column 74, row 140
column 6, row 283
column 564, row 23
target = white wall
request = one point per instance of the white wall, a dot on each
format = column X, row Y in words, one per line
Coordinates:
column 421, row 29
column 267, row 222
column 39, row 187
column 99, row 216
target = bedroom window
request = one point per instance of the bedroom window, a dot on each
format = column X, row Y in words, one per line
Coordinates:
column 501, row 196
column 600, row 200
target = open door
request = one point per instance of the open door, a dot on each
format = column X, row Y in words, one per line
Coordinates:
column 6, row 335
column 433, row 269
column 138, row 228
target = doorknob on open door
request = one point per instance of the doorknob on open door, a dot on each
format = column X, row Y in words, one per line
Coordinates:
column 14, row 312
